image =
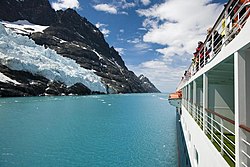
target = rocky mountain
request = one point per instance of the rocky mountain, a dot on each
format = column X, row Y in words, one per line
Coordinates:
column 147, row 84
column 37, row 12
column 71, row 36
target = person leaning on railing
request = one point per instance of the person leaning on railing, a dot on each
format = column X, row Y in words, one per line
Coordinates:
column 216, row 43
column 230, row 27
column 244, row 13
column 198, row 54
column 238, row 14
column 238, row 5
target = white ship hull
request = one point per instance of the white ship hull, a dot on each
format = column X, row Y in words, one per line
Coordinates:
column 214, row 111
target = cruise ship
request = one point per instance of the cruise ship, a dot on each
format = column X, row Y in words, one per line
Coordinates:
column 213, row 109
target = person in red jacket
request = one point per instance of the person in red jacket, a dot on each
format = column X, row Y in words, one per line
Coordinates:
column 198, row 54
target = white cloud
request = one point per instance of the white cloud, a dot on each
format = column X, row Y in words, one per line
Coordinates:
column 105, row 32
column 142, row 46
column 164, row 77
column 65, row 4
column 98, row 25
column 142, row 29
column 139, row 46
column 177, row 25
column 103, row 29
column 134, row 41
column 123, row 12
column 117, row 7
column 126, row 5
column 106, row 8
column 145, row 2
column 120, row 50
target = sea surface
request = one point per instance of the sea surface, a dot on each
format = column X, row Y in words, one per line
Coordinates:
column 137, row 130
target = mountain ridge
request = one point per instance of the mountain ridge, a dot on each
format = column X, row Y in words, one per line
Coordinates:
column 74, row 37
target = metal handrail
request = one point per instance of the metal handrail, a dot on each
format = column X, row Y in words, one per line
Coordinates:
column 220, row 140
column 246, row 128
column 221, row 116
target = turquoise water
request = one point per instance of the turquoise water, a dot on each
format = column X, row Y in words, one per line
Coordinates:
column 104, row 130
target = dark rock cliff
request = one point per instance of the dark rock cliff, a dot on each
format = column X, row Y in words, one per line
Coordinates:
column 73, row 36
column 35, row 11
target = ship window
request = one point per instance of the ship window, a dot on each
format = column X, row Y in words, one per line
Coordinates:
column 196, row 156
column 189, row 136
column 187, row 162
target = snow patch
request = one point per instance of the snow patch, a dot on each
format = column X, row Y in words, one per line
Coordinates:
column 20, row 53
column 100, row 57
column 4, row 78
column 60, row 40
column 24, row 27
column 118, row 65
column 141, row 77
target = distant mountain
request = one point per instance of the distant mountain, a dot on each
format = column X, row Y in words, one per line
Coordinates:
column 148, row 85
column 71, row 36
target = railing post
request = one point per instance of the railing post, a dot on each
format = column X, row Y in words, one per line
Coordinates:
column 196, row 114
column 199, row 61
column 212, row 43
column 185, row 96
column 194, row 99
column 212, row 127
column 200, row 119
column 226, row 27
column 199, row 116
column 241, row 93
column 204, row 54
column 221, row 137
column 189, row 97
column 205, row 100
column 193, row 64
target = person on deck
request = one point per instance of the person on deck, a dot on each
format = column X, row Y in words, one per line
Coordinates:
column 215, row 44
column 198, row 55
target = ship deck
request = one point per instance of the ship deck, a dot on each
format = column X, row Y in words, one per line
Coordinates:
column 216, row 94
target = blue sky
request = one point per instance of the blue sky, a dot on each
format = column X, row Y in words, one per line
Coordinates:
column 154, row 37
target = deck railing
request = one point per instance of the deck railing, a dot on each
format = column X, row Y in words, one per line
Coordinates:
column 223, row 137
column 245, row 145
column 213, row 125
column 226, row 28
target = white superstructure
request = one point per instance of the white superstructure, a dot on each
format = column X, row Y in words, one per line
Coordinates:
column 215, row 109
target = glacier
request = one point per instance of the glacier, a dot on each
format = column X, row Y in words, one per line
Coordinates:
column 20, row 53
